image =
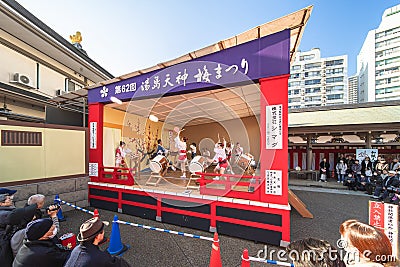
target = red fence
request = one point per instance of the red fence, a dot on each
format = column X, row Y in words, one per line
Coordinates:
column 230, row 185
column 118, row 175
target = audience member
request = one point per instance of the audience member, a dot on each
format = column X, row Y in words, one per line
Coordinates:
column 38, row 199
column 394, row 165
column 12, row 219
column 382, row 165
column 313, row 252
column 87, row 253
column 366, row 167
column 39, row 249
column 366, row 245
column 356, row 170
column 388, row 180
column 341, row 170
column 17, row 239
column 324, row 167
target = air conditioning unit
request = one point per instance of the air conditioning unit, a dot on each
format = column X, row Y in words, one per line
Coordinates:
column 21, row 79
column 59, row 92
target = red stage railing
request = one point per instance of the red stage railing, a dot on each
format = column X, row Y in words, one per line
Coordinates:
column 118, row 175
column 250, row 189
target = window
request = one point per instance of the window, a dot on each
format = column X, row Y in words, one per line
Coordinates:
column 294, row 92
column 71, row 85
column 312, row 73
column 307, row 57
column 334, row 71
column 313, row 98
column 294, row 83
column 312, row 66
column 333, row 89
column 293, row 100
column 20, row 138
column 335, row 96
column 313, row 90
column 334, row 79
column 296, row 67
column 295, row 76
column 315, row 81
column 334, row 62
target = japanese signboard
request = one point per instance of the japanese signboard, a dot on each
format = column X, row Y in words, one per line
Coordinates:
column 274, row 137
column 264, row 57
column 93, row 135
column 385, row 217
column 94, row 169
column 371, row 153
column 273, row 182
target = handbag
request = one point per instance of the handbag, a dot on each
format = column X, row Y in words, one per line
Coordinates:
column 323, row 177
column 368, row 173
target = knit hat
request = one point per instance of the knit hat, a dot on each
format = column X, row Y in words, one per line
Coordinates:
column 7, row 191
column 38, row 228
column 90, row 229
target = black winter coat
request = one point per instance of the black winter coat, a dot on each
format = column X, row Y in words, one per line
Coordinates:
column 43, row 253
column 88, row 255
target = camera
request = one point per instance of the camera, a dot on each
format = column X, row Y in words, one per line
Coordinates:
column 57, row 207
column 393, row 189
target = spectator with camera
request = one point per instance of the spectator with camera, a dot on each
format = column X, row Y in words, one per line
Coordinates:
column 12, row 219
column 39, row 248
column 38, row 199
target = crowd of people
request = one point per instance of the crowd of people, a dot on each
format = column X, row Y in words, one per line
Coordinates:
column 29, row 237
column 379, row 178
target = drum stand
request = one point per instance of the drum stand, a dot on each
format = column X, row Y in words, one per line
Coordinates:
column 154, row 179
column 192, row 182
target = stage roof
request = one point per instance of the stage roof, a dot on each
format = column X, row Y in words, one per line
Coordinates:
column 295, row 21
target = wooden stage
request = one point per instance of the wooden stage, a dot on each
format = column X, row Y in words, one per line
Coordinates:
column 211, row 208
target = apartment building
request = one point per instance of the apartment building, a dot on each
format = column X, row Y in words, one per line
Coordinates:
column 353, row 89
column 316, row 81
column 378, row 63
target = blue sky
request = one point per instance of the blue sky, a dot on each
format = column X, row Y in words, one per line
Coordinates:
column 124, row 36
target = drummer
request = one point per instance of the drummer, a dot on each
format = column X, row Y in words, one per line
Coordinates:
column 180, row 143
column 228, row 151
column 163, row 152
column 220, row 158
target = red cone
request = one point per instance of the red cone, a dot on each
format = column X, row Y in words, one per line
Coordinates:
column 245, row 258
column 215, row 259
column 96, row 214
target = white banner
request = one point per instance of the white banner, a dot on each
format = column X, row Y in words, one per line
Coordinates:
column 391, row 225
column 273, row 182
column 93, row 135
column 362, row 153
column 273, row 127
column 94, row 169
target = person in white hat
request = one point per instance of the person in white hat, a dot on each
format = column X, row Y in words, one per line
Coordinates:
column 87, row 253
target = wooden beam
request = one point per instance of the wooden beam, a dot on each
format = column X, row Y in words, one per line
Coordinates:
column 301, row 208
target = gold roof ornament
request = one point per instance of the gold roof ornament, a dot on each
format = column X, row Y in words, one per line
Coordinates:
column 76, row 38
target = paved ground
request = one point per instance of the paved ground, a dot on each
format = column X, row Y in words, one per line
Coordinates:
column 330, row 208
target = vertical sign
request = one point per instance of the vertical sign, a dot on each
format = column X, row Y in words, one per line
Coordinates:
column 385, row 217
column 274, row 136
column 94, row 169
column 273, row 182
column 391, row 225
column 93, row 135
